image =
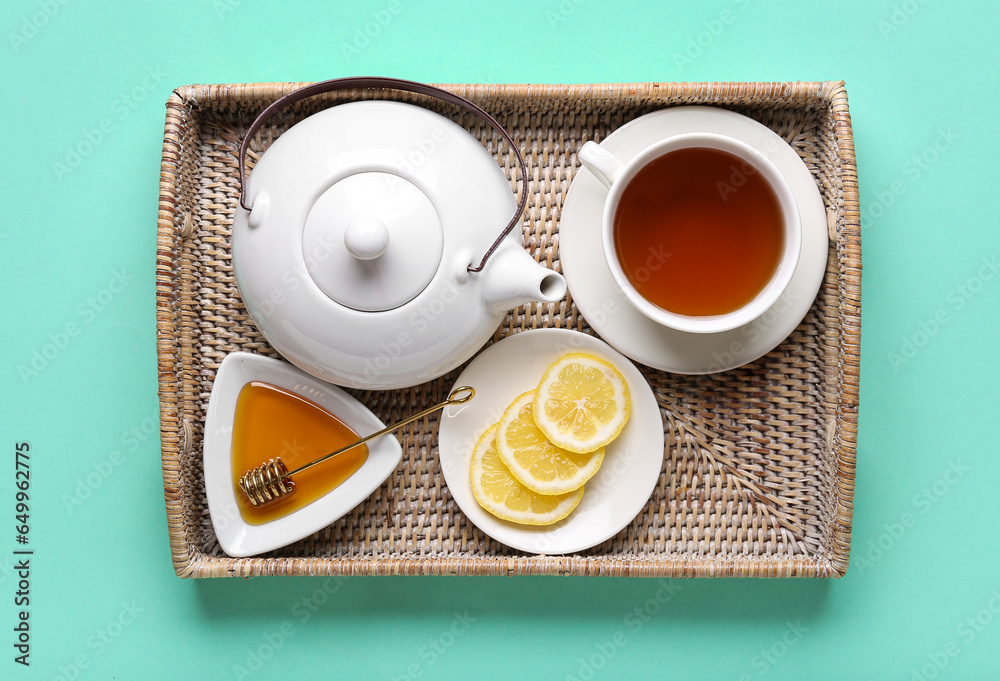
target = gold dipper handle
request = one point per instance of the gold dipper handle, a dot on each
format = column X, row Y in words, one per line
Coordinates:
column 457, row 396
column 272, row 480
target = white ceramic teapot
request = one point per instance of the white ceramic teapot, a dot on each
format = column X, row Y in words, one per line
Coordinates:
column 365, row 243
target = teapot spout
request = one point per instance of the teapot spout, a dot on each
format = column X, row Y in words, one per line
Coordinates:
column 512, row 278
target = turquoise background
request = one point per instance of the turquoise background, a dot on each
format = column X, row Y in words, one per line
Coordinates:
column 922, row 597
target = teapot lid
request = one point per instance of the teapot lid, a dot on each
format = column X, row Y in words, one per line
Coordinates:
column 372, row 241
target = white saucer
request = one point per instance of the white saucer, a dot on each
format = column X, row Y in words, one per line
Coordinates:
column 612, row 498
column 237, row 537
column 604, row 305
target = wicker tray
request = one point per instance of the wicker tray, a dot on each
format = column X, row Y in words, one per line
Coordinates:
column 758, row 472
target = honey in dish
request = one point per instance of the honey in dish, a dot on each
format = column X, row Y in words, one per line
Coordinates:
column 699, row 232
column 271, row 422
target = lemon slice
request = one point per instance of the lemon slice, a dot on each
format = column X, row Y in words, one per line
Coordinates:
column 581, row 403
column 501, row 494
column 534, row 461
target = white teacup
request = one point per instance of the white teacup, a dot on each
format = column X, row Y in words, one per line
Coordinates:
column 616, row 175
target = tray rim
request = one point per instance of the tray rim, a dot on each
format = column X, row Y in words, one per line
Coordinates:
column 176, row 437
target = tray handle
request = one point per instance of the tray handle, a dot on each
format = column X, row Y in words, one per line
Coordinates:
column 388, row 84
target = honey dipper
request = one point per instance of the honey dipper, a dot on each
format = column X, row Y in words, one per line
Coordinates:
column 272, row 480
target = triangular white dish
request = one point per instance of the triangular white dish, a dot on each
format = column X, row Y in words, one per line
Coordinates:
column 238, row 538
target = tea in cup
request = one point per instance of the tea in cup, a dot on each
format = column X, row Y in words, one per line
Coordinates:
column 701, row 231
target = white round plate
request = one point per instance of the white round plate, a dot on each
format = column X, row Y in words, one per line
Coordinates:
column 612, row 498
column 622, row 325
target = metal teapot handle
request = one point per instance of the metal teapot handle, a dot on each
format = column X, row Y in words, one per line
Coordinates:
column 388, row 84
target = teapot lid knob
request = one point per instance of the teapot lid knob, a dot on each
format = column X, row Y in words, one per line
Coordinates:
column 366, row 238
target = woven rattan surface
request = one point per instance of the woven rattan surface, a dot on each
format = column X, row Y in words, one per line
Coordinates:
column 758, row 471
